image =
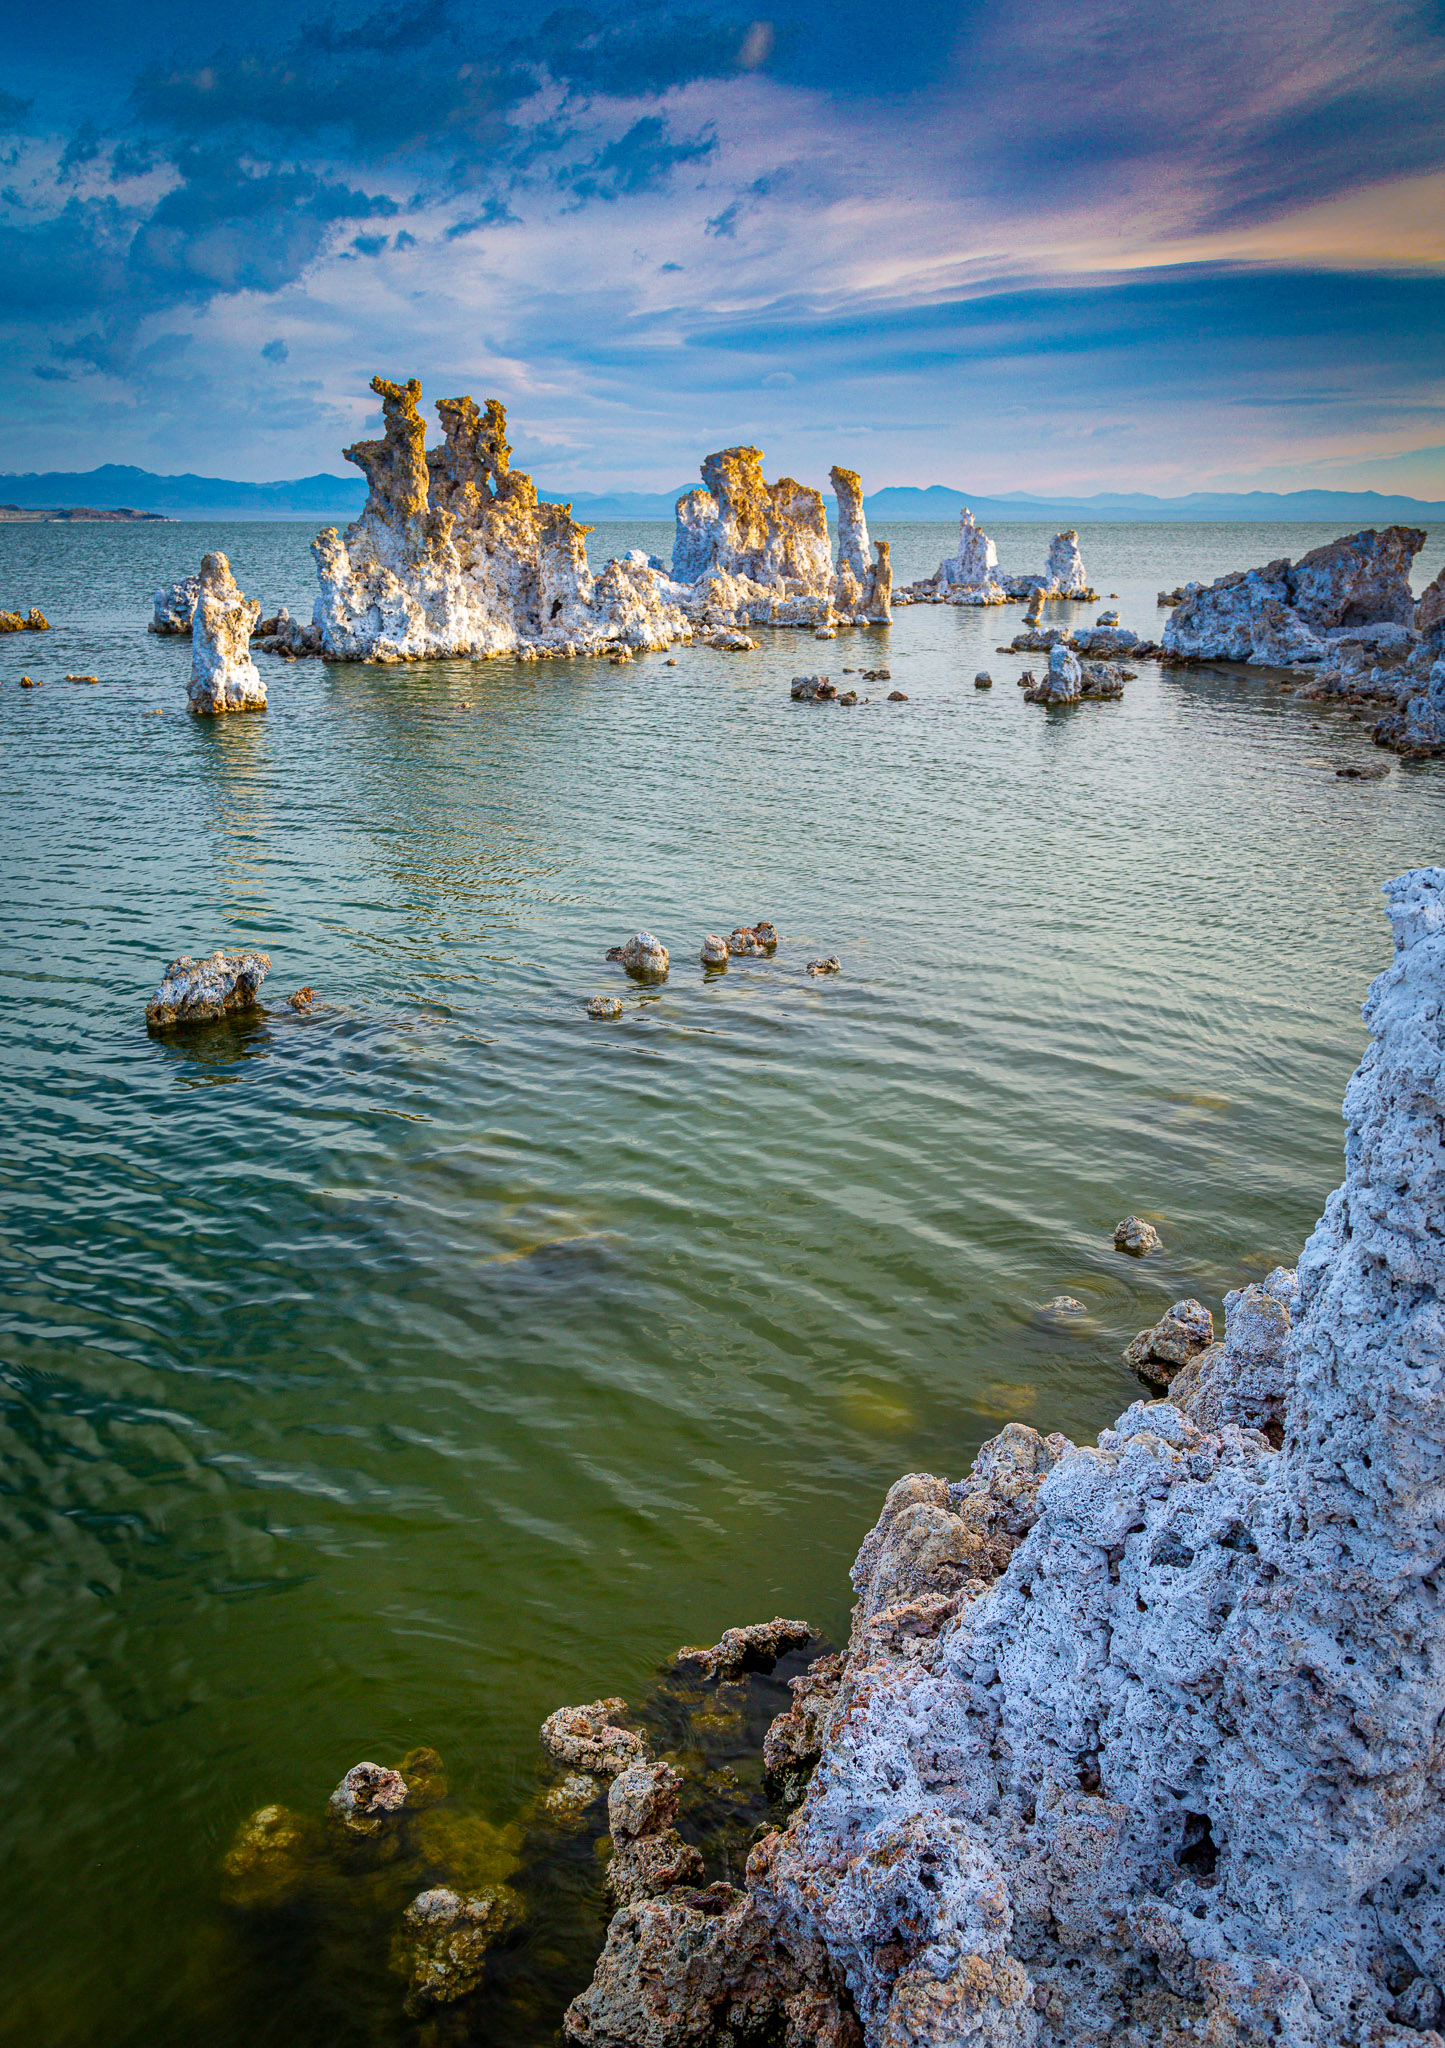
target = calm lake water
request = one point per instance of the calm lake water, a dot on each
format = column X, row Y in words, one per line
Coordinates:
column 397, row 1373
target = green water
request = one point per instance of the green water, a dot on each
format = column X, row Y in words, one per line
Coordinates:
column 396, row 1373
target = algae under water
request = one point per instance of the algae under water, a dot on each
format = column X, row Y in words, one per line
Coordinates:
column 394, row 1373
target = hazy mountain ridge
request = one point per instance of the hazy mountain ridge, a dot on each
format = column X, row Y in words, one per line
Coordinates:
column 328, row 498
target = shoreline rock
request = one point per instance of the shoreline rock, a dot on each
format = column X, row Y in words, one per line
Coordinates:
column 1139, row 1742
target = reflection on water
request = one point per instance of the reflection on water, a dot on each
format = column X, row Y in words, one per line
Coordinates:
column 393, row 1373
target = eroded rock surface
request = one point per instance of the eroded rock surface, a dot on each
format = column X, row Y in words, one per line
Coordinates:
column 1138, row 1743
column 223, row 675
column 589, row 1739
column 174, row 606
column 1286, row 614
column 1180, row 1333
column 453, row 555
column 755, row 1648
column 199, row 991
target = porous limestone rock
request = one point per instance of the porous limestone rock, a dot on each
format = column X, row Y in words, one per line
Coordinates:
column 223, row 675
column 832, row 965
column 442, row 1943
column 748, row 552
column 755, row 1648
column 1285, row 614
column 589, row 1739
column 1064, row 683
column 453, row 555
column 649, row 1856
column 198, row 991
column 271, row 1861
column 1064, row 572
column 1418, row 727
column 174, row 606
column 715, row 950
column 367, row 1799
column 970, row 574
column 813, row 689
column 1244, row 1379
column 1429, row 618
column 1168, row 1768
column 794, row 1741
column 1134, row 1235
column 644, row 957
column 1180, row 1333
column 604, row 1006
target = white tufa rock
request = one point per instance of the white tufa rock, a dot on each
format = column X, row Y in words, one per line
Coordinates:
column 175, row 606
column 970, row 576
column 1284, row 614
column 223, row 675
column 1141, row 1742
column 1064, row 573
column 454, row 556
column 199, row 991
column 1064, row 683
column 748, row 552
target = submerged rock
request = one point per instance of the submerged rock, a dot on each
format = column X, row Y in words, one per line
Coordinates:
column 832, row 965
column 1139, row 1743
column 983, row 680
column 1064, row 683
column 272, row 1861
column 223, row 675
column 604, row 1006
column 441, row 1946
column 174, row 606
column 812, row 689
column 198, row 991
column 715, row 950
column 1134, row 1235
column 1180, row 1333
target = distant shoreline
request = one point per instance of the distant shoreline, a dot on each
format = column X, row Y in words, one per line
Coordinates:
column 77, row 515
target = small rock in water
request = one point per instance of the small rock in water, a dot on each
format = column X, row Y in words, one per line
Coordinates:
column 82, row 679
column 1172, row 597
column 623, row 654
column 1179, row 1334
column 30, row 683
column 605, row 1006
column 897, row 697
column 813, row 689
column 1063, row 1309
column 744, row 942
column 367, row 1798
column 825, row 633
column 877, row 675
column 848, row 697
column 589, row 1739
column 728, row 641
column 832, row 965
column 36, row 621
column 714, row 950
column 302, row 998
column 767, row 931
column 568, row 1801
column 1371, row 774
column 1107, row 619
column 645, row 957
column 755, row 1648
column 197, row 991
column 983, row 680
column 1134, row 1235
column 443, row 1942
column 671, row 661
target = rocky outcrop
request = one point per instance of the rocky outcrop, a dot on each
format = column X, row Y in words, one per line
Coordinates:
column 751, row 553
column 199, row 991
column 1286, row 614
column 223, row 675
column 1180, row 1333
column 971, row 576
column 453, row 555
column 175, row 606
column 1140, row 1742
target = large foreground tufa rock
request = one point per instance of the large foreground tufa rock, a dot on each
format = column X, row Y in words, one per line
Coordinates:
column 223, row 675
column 1140, row 1743
column 198, row 991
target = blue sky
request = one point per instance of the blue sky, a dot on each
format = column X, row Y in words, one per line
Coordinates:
column 1134, row 244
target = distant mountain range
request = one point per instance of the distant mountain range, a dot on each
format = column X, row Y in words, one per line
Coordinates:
column 337, row 498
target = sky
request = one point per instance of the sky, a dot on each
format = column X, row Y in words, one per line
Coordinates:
column 1041, row 245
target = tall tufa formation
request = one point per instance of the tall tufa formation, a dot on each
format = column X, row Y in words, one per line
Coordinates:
column 748, row 552
column 1141, row 1742
column 453, row 555
column 223, row 675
